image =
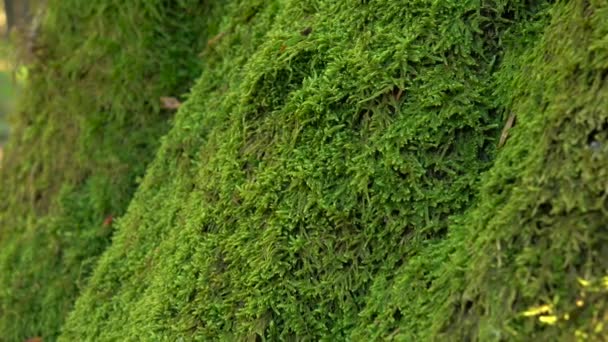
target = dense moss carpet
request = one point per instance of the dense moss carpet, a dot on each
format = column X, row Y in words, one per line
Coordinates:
column 339, row 170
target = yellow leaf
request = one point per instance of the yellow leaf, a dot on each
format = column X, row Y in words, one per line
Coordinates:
column 566, row 317
column 605, row 282
column 581, row 334
column 537, row 310
column 548, row 319
column 583, row 282
column 599, row 327
column 580, row 303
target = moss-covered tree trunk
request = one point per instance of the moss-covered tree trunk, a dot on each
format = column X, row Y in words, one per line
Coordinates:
column 340, row 170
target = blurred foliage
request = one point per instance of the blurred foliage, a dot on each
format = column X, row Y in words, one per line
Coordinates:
column 87, row 123
column 21, row 29
column 7, row 89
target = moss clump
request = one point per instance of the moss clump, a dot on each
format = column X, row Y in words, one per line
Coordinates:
column 87, row 125
column 335, row 175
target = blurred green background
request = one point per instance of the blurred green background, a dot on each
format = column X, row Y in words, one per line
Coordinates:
column 7, row 91
column 7, row 80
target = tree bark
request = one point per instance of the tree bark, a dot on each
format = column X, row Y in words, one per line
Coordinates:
column 17, row 14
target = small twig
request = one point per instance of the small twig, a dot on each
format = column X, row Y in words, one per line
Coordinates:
column 211, row 42
column 399, row 93
column 505, row 131
column 498, row 249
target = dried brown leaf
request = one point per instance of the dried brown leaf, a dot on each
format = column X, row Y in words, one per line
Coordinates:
column 169, row 102
column 34, row 339
column 108, row 221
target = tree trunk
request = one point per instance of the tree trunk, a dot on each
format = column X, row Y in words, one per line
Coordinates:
column 17, row 14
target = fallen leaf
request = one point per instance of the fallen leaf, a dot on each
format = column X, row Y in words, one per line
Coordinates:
column 169, row 102
column 535, row 311
column 108, row 221
column 548, row 319
column 598, row 328
column 34, row 339
column 505, row 131
column 583, row 282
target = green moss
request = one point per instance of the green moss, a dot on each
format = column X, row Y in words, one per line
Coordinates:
column 334, row 175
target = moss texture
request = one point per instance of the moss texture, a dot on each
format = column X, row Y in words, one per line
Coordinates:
column 337, row 173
